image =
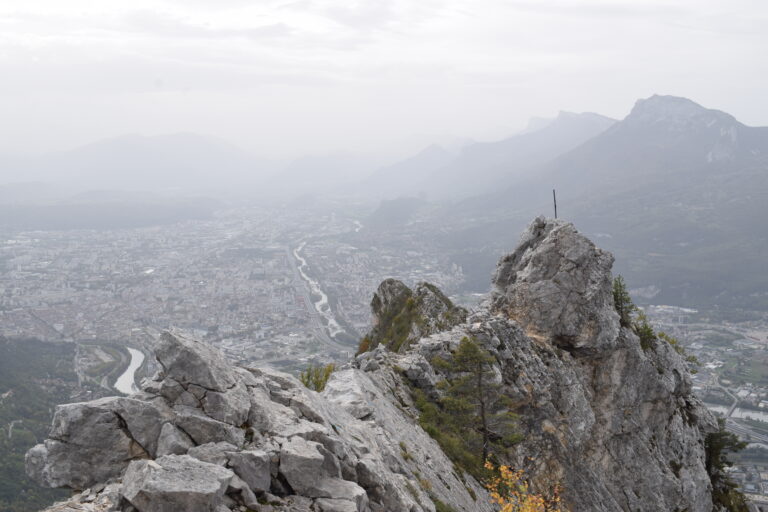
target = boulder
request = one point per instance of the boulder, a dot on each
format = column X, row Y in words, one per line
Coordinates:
column 173, row 441
column 203, row 429
column 231, row 406
column 253, row 466
column 188, row 361
column 91, row 442
column 331, row 505
column 343, row 390
column 305, row 463
column 174, row 483
column 213, row 453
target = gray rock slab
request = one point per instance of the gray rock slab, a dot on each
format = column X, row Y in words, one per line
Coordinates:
column 174, row 483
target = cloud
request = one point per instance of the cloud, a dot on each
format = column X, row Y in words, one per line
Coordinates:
column 161, row 24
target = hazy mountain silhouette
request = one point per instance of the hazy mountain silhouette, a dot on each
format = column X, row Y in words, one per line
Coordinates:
column 486, row 166
column 677, row 191
column 182, row 161
column 395, row 179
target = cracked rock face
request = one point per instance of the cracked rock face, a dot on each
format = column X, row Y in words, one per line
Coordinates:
column 204, row 435
column 557, row 285
column 616, row 426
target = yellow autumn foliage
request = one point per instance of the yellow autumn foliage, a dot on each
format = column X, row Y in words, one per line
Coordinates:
column 511, row 492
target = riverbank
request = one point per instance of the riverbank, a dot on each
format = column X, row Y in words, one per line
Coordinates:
column 126, row 383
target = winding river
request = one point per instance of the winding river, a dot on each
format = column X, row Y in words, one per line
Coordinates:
column 126, row 383
column 321, row 305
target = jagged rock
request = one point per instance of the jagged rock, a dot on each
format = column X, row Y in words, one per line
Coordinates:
column 253, row 466
column 91, row 442
column 401, row 316
column 188, row 361
column 203, row 429
column 558, row 286
column 330, row 505
column 175, row 482
column 303, row 463
column 230, row 407
column 343, row 391
column 213, row 453
column 341, row 490
column 243, row 493
column 173, row 441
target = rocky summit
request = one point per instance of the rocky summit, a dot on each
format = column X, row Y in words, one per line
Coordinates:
column 613, row 424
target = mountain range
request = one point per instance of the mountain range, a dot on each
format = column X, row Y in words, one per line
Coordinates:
column 676, row 190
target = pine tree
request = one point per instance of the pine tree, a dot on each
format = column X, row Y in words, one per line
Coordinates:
column 718, row 446
column 475, row 408
column 623, row 302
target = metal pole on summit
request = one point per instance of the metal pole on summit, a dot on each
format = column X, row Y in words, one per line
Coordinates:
column 554, row 198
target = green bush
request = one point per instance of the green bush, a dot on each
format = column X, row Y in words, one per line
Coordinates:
column 316, row 377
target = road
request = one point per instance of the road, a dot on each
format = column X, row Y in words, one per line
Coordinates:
column 743, row 431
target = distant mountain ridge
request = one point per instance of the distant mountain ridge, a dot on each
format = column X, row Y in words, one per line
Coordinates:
column 187, row 161
column 485, row 166
column 678, row 191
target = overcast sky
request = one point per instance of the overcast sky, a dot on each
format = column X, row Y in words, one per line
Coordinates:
column 287, row 77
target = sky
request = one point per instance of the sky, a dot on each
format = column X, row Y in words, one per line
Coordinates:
column 285, row 78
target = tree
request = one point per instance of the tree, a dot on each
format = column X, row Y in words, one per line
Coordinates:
column 474, row 406
column 316, row 377
column 717, row 446
column 622, row 301
column 642, row 327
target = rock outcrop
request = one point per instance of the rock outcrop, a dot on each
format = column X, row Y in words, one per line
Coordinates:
column 614, row 425
column 204, row 435
column 402, row 316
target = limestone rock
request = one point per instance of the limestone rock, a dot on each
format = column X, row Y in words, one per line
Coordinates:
column 188, row 361
column 401, row 316
column 203, row 429
column 305, row 463
column 213, row 453
column 173, row 441
column 91, row 442
column 175, row 482
column 253, row 466
column 557, row 285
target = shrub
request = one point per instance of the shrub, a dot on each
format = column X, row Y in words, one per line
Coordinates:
column 316, row 377
column 512, row 493
column 642, row 327
column 364, row 346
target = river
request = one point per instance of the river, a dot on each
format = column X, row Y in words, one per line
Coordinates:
column 321, row 305
column 126, row 383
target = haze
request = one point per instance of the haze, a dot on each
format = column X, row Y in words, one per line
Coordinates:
column 282, row 79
